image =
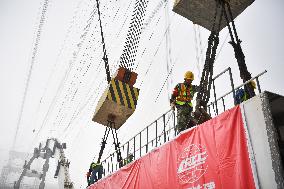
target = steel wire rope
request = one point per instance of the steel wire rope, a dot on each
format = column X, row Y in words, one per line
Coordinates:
column 56, row 61
column 70, row 95
column 111, row 146
column 118, row 33
column 61, row 84
column 57, row 93
column 81, row 130
column 124, row 22
column 78, row 45
column 66, row 37
column 92, row 105
column 100, row 69
column 201, row 49
column 105, row 25
column 35, row 31
column 75, row 114
column 154, row 12
column 81, row 101
column 73, row 117
column 72, row 82
column 169, row 73
column 197, row 47
column 146, row 26
column 34, row 53
column 156, row 51
column 82, row 107
column 168, row 52
column 217, row 56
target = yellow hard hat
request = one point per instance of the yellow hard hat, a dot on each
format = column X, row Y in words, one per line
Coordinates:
column 189, row 75
column 253, row 84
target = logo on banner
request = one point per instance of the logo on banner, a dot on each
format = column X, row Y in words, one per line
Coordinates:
column 192, row 163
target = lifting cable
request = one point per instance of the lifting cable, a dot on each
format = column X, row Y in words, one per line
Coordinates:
column 236, row 43
column 203, row 94
column 207, row 73
column 126, row 60
column 111, row 126
column 105, row 58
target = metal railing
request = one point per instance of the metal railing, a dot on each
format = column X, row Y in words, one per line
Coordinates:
column 163, row 128
column 214, row 104
column 155, row 134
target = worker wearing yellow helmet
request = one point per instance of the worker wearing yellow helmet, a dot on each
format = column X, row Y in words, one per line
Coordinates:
column 242, row 95
column 182, row 96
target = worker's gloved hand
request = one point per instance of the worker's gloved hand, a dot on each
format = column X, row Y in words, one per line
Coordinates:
column 173, row 106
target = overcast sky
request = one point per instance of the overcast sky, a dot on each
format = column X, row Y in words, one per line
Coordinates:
column 68, row 76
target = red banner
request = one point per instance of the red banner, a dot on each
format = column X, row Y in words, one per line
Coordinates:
column 212, row 155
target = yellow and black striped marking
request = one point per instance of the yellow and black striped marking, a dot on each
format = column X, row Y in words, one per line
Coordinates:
column 123, row 94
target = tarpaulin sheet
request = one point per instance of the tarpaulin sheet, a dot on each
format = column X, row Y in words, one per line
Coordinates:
column 211, row 155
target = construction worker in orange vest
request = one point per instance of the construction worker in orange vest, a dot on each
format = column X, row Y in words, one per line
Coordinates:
column 181, row 99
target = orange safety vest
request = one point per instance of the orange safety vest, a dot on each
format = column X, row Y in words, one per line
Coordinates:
column 185, row 95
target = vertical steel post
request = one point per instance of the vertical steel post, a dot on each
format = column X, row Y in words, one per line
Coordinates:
column 258, row 86
column 147, row 130
column 156, row 133
column 223, row 104
column 108, row 167
column 175, row 123
column 111, row 163
column 140, row 144
column 214, row 90
column 165, row 134
column 134, row 147
column 127, row 148
column 232, row 85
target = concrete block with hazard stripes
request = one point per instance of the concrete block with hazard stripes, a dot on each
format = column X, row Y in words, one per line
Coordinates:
column 117, row 103
column 202, row 12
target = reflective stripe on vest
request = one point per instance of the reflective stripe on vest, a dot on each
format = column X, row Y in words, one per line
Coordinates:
column 185, row 95
column 95, row 165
